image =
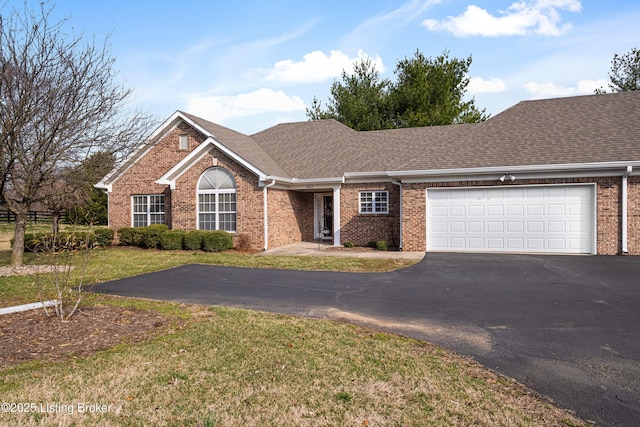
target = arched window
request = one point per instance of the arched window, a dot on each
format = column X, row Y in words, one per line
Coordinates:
column 217, row 200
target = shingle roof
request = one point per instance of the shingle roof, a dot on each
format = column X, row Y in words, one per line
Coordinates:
column 240, row 144
column 573, row 130
column 583, row 129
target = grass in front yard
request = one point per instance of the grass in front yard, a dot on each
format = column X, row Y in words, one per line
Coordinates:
column 116, row 263
column 231, row 367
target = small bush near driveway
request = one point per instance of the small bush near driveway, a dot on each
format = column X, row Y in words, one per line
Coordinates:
column 171, row 240
column 216, row 241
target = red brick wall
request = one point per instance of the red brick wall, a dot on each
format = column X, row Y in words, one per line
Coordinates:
column 363, row 228
column 308, row 217
column 633, row 215
column 141, row 177
column 608, row 210
column 285, row 217
column 180, row 203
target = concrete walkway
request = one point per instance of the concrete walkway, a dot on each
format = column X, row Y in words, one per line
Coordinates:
column 327, row 249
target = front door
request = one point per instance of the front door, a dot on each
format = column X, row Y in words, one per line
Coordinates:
column 323, row 216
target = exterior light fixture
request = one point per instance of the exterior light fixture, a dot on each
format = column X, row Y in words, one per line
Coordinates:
column 507, row 177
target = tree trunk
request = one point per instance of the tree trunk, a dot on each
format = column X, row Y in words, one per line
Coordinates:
column 55, row 221
column 17, row 253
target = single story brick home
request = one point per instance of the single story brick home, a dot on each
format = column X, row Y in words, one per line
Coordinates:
column 544, row 176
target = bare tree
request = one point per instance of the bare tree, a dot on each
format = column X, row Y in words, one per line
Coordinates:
column 59, row 105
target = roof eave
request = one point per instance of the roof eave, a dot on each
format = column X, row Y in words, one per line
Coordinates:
column 170, row 177
column 566, row 170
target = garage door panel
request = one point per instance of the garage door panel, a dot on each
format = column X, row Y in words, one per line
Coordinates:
column 476, row 243
column 515, row 226
column 457, row 210
column 529, row 219
column 515, row 244
column 557, row 209
column 535, row 227
column 439, row 211
column 476, row 210
column 558, row 245
column 515, row 210
column 495, row 227
column 457, row 227
column 556, row 227
column 476, row 227
column 495, row 210
column 494, row 243
column 535, row 209
column 535, row 243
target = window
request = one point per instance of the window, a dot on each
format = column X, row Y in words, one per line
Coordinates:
column 148, row 209
column 217, row 201
column 184, row 142
column 374, row 202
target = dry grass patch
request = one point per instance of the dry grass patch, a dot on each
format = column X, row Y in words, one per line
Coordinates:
column 231, row 367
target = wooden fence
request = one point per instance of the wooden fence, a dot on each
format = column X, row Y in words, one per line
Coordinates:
column 34, row 216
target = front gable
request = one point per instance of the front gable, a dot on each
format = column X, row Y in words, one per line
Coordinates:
column 207, row 148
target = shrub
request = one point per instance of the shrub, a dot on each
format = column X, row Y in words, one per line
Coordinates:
column 372, row 244
column 193, row 240
column 104, row 236
column 216, row 241
column 129, row 236
column 29, row 241
column 150, row 237
column 171, row 240
column 348, row 244
column 381, row 245
column 49, row 242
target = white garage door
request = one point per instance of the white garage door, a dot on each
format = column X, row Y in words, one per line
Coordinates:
column 512, row 219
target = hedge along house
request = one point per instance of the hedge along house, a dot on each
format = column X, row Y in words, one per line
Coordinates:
column 548, row 176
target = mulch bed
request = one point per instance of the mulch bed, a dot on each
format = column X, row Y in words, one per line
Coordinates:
column 31, row 335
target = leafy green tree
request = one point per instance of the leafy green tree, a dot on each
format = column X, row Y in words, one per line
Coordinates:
column 360, row 100
column 92, row 211
column 430, row 92
column 625, row 72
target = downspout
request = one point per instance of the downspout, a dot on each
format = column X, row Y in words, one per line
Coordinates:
column 266, row 214
column 399, row 184
column 625, row 218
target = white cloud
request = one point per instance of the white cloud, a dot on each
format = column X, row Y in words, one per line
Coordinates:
column 521, row 18
column 551, row 90
column 491, row 85
column 318, row 67
column 222, row 108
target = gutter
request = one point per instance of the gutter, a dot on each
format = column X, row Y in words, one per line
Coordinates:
column 399, row 184
column 624, row 208
column 523, row 169
column 266, row 214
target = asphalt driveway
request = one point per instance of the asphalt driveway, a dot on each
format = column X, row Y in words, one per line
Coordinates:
column 566, row 326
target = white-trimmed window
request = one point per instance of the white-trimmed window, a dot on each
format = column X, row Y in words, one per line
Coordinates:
column 147, row 209
column 374, row 202
column 217, row 200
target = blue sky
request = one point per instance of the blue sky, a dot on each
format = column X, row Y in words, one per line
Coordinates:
column 249, row 65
